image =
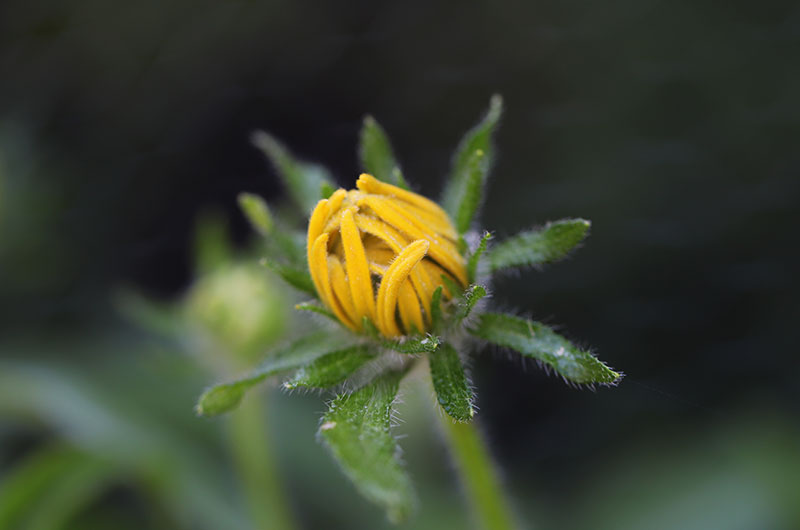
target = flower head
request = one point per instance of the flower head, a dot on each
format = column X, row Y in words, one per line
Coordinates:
column 380, row 252
column 383, row 261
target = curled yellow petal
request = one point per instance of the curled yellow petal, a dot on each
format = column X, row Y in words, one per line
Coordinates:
column 357, row 267
column 395, row 275
column 441, row 249
column 409, row 309
column 340, row 289
column 318, row 266
column 369, row 184
column 371, row 239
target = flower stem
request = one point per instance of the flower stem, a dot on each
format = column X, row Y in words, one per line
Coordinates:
column 251, row 449
column 478, row 475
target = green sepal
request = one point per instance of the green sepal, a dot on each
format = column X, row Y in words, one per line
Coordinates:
column 475, row 257
column 475, row 181
column 326, row 190
column 332, row 368
column 318, row 309
column 399, row 179
column 409, row 345
column 451, row 285
column 296, row 277
column 303, row 180
column 224, row 397
column 436, row 309
column 479, row 138
column 256, row 211
column 471, row 296
column 533, row 339
column 538, row 247
column 452, row 389
column 357, row 430
column 375, row 152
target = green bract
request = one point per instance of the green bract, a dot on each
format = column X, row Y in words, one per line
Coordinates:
column 354, row 366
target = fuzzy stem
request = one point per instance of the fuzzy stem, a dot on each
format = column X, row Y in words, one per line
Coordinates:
column 478, row 475
column 251, row 449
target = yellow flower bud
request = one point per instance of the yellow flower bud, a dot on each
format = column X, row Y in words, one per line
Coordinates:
column 380, row 251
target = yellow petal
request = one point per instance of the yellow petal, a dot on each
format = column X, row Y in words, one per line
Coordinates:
column 357, row 267
column 315, row 225
column 410, row 312
column 441, row 250
column 395, row 275
column 369, row 184
column 318, row 266
column 339, row 283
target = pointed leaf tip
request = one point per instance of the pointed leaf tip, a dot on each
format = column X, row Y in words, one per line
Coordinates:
column 225, row 397
column 256, row 211
column 472, row 161
column 537, row 247
column 376, row 154
column 533, row 339
column 302, row 180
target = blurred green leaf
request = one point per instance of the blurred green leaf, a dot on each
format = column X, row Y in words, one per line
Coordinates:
column 475, row 181
column 296, row 277
column 257, row 212
column 49, row 487
column 479, row 138
column 356, row 429
column 303, row 181
column 538, row 341
column 212, row 245
column 332, row 368
column 536, row 247
column 450, row 382
column 225, row 396
column 410, row 345
column 375, row 152
column 475, row 257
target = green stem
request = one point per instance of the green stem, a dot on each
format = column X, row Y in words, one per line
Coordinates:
column 478, row 475
column 251, row 448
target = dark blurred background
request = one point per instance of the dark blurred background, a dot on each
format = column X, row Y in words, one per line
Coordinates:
column 673, row 126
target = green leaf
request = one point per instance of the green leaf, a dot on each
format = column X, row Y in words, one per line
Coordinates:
column 356, row 429
column 332, row 368
column 536, row 247
column 297, row 278
column 257, row 212
column 479, row 138
column 303, row 181
column 477, row 170
column 375, row 152
column 475, row 257
column 450, row 382
column 538, row 341
column 226, row 396
column 410, row 345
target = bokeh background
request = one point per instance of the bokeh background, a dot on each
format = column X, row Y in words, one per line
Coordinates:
column 125, row 267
